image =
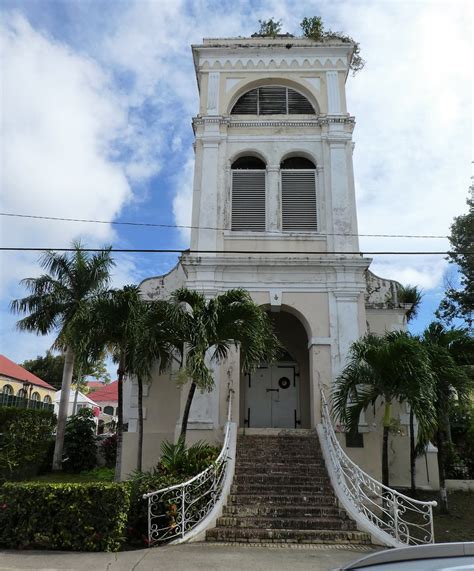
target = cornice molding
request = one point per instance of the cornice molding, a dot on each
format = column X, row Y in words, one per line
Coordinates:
column 272, row 62
column 318, row 122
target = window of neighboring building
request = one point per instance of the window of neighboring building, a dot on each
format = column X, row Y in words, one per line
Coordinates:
column 7, row 390
column 354, row 439
column 22, row 394
column 298, row 195
column 272, row 100
column 109, row 410
column 35, row 396
column 248, row 194
column 47, row 399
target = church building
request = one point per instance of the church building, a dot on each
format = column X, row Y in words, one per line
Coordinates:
column 274, row 212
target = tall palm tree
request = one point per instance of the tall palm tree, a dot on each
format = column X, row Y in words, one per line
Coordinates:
column 138, row 334
column 210, row 327
column 451, row 353
column 385, row 369
column 154, row 344
column 113, row 323
column 58, row 300
column 411, row 294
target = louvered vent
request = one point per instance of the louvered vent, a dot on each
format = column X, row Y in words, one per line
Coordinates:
column 298, row 197
column 247, row 104
column 272, row 100
column 248, row 200
column 298, row 104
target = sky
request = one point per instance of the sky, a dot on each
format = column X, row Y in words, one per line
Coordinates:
column 96, row 104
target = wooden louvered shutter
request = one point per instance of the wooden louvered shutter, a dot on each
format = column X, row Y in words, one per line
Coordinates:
column 298, row 200
column 298, row 104
column 247, row 104
column 248, row 200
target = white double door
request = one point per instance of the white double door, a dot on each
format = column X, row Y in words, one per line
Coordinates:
column 272, row 397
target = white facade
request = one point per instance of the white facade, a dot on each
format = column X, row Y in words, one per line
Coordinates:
column 314, row 282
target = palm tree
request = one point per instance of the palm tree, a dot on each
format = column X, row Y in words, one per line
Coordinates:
column 451, row 353
column 58, row 300
column 137, row 334
column 154, row 343
column 411, row 295
column 210, row 328
column 386, row 369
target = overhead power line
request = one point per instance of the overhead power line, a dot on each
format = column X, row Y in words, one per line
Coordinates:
column 227, row 252
column 184, row 226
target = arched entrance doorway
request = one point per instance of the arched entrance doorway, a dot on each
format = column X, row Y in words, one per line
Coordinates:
column 277, row 395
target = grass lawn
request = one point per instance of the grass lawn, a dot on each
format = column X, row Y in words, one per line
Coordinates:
column 95, row 475
column 458, row 525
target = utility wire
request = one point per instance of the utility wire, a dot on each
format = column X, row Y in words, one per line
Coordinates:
column 153, row 225
column 225, row 252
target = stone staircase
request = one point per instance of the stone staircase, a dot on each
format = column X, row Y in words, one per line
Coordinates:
column 281, row 493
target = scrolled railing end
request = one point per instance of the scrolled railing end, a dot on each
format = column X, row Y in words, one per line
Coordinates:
column 178, row 511
column 377, row 509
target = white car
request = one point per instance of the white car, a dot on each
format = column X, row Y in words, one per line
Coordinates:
column 432, row 557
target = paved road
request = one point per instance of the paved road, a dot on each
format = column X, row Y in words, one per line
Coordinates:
column 188, row 557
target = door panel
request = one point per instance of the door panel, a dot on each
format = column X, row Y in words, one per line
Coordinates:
column 286, row 402
column 257, row 402
column 271, row 397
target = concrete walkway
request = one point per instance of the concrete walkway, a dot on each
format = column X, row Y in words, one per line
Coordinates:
column 205, row 556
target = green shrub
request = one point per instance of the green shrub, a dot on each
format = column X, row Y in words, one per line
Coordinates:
column 25, row 436
column 80, row 450
column 178, row 460
column 78, row 517
column 108, row 448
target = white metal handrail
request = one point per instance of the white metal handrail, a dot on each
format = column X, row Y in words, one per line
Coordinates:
column 175, row 511
column 392, row 517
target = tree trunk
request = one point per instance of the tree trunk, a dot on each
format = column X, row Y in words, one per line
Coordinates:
column 443, row 494
column 187, row 408
column 63, row 409
column 140, row 424
column 412, row 453
column 76, row 394
column 118, row 462
column 386, row 429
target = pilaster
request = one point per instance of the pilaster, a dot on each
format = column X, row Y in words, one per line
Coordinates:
column 273, row 198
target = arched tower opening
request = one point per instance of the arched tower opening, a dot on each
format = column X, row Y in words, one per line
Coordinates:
column 276, row 395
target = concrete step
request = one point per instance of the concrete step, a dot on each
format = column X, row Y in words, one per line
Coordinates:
column 277, row 466
column 293, row 480
column 269, row 499
column 284, row 510
column 254, row 535
column 286, row 523
column 281, row 489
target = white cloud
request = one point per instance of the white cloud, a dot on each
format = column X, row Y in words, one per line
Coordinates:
column 60, row 121
column 182, row 201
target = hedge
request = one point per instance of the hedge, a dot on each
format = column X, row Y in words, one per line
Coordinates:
column 78, row 517
column 25, row 436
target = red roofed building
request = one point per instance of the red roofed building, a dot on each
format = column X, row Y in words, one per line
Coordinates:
column 18, row 383
column 106, row 397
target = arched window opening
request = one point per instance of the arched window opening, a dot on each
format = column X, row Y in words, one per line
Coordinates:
column 248, row 163
column 109, row 410
column 248, row 194
column 22, row 394
column 273, row 100
column 298, row 195
column 292, row 163
column 47, row 399
column 35, row 396
column 7, row 390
